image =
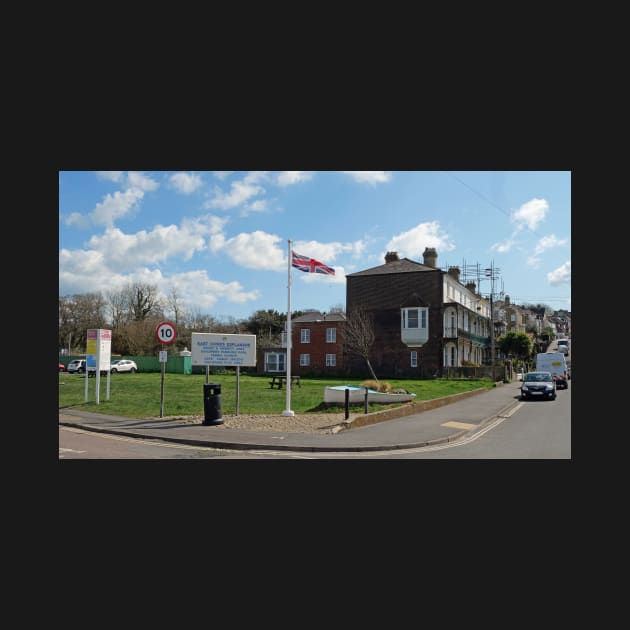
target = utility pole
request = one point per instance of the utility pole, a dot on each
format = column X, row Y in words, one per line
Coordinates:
column 492, row 352
column 491, row 273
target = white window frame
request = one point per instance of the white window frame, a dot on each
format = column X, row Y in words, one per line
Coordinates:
column 280, row 362
column 414, row 358
column 421, row 315
column 331, row 335
column 305, row 335
column 331, row 360
column 305, row 360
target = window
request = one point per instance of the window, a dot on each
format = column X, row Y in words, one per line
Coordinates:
column 414, row 318
column 331, row 360
column 275, row 362
column 331, row 335
column 414, row 358
column 305, row 335
column 414, row 326
column 305, row 360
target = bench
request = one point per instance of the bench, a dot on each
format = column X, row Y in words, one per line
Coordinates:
column 277, row 381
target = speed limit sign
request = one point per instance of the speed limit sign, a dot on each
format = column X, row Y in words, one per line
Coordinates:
column 165, row 332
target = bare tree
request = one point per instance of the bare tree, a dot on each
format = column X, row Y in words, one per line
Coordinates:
column 118, row 302
column 359, row 335
column 143, row 301
column 174, row 304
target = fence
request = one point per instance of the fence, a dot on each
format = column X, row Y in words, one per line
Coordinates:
column 174, row 365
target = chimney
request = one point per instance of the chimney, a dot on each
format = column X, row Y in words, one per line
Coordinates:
column 454, row 272
column 430, row 257
column 471, row 286
column 391, row 257
column 507, row 300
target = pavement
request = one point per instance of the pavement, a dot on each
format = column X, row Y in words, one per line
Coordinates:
column 448, row 423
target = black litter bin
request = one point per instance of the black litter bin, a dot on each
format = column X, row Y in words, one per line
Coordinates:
column 212, row 404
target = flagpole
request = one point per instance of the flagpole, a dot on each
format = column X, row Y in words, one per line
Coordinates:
column 287, row 411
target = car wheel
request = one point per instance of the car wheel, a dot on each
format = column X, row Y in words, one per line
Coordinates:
column 114, row 370
column 133, row 370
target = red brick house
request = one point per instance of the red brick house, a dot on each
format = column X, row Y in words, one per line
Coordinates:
column 318, row 344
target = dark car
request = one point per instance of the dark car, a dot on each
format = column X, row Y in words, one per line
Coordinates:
column 538, row 385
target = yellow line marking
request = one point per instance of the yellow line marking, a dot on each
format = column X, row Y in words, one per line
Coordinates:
column 459, row 425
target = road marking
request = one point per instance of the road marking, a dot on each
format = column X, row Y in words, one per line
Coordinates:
column 513, row 411
column 70, row 450
column 459, row 425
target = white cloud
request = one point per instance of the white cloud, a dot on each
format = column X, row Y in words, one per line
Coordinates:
column 561, row 275
column 141, row 181
column 504, row 247
column 411, row 244
column 77, row 219
column 256, row 250
column 125, row 252
column 369, row 177
column 338, row 278
column 196, row 288
column 116, row 206
column 222, row 174
column 82, row 271
column 240, row 193
column 114, row 176
column 185, row 183
column 530, row 214
column 547, row 242
column 327, row 252
column 288, row 178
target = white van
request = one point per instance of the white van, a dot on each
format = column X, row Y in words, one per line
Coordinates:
column 555, row 363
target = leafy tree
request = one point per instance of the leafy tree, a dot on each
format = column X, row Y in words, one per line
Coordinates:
column 518, row 344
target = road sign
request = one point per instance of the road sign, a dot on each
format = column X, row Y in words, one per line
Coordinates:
column 165, row 332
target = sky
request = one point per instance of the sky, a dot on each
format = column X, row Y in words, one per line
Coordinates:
column 219, row 239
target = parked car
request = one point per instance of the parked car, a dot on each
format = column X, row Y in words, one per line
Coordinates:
column 62, row 367
column 76, row 366
column 124, row 365
column 538, row 385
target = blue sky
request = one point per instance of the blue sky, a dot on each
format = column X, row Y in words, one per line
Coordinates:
column 219, row 238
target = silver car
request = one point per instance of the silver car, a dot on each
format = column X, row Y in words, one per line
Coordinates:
column 124, row 365
column 76, row 366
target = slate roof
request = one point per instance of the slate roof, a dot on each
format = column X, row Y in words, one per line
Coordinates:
column 404, row 265
column 318, row 316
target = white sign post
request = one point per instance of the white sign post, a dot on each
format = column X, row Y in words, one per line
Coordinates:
column 165, row 333
column 224, row 350
column 98, row 354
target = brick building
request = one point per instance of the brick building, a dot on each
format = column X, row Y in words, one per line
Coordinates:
column 424, row 319
column 318, row 340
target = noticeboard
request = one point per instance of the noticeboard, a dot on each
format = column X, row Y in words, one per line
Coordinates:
column 223, row 350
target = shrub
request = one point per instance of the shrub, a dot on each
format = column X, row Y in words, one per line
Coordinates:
column 379, row 386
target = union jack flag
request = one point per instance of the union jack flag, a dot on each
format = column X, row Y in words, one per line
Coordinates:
column 310, row 265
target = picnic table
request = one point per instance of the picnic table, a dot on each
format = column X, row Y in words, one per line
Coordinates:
column 277, row 381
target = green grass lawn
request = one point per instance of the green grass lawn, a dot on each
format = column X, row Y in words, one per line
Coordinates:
column 138, row 395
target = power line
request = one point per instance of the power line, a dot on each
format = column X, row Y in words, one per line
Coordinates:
column 477, row 193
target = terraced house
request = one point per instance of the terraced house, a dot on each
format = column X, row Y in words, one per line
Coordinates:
column 424, row 319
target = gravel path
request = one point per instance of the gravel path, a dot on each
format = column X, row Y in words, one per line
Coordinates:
column 316, row 423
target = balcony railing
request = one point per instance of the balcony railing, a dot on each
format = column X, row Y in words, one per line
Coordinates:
column 452, row 333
